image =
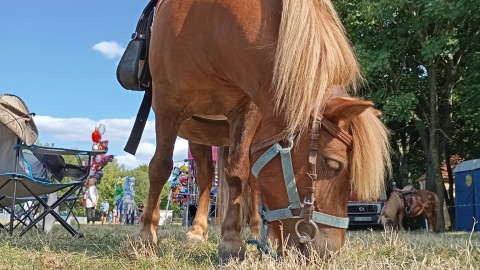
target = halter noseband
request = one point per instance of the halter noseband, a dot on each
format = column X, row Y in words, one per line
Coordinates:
column 304, row 209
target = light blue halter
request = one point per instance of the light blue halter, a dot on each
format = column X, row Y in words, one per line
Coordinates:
column 305, row 209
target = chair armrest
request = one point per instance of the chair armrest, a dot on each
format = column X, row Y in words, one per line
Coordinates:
column 54, row 162
column 59, row 151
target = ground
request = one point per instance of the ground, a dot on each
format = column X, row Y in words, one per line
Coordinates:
column 113, row 247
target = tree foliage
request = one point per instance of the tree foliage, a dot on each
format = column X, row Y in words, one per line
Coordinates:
column 113, row 170
column 420, row 61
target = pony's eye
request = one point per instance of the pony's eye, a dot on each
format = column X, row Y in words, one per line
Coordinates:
column 334, row 164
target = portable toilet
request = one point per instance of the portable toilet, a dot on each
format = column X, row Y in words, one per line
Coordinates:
column 467, row 195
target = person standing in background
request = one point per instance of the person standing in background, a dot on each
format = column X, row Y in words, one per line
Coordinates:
column 91, row 196
column 104, row 207
column 140, row 211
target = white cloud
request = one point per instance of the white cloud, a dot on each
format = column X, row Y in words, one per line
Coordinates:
column 145, row 153
column 80, row 129
column 181, row 150
column 129, row 161
column 76, row 133
column 109, row 49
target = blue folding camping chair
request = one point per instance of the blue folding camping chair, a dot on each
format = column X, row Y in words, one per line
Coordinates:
column 22, row 181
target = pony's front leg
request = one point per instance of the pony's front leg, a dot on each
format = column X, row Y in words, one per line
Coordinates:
column 237, row 172
column 431, row 221
column 202, row 154
column 400, row 220
column 160, row 168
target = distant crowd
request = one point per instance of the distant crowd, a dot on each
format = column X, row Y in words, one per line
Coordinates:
column 128, row 214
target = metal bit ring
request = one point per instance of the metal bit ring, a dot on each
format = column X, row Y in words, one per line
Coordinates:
column 304, row 237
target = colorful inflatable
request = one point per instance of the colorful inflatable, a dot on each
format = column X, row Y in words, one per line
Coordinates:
column 179, row 184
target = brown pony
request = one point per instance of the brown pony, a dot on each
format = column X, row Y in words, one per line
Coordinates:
column 268, row 67
column 423, row 202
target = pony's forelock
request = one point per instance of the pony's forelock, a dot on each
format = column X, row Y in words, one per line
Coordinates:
column 370, row 158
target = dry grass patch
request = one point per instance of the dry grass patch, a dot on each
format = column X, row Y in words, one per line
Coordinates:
column 115, row 247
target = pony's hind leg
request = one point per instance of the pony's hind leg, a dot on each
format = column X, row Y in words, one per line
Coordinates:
column 255, row 218
column 202, row 154
column 160, row 169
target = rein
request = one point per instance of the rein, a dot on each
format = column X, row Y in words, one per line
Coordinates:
column 297, row 209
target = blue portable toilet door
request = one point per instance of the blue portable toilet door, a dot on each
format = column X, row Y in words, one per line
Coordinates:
column 476, row 197
column 464, row 200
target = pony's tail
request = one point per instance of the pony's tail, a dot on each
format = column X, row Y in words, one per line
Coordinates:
column 312, row 55
column 223, row 191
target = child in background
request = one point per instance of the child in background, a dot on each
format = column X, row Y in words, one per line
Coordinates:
column 115, row 215
column 104, row 208
column 91, row 196
column 110, row 217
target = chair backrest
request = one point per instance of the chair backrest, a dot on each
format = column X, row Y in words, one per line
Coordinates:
column 16, row 125
column 24, row 163
column 8, row 157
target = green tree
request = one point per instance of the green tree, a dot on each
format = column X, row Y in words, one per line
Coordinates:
column 106, row 187
column 112, row 171
column 419, row 59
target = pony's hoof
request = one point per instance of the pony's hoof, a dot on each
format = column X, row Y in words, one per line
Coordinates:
column 137, row 247
column 146, row 238
column 231, row 252
column 255, row 235
column 194, row 239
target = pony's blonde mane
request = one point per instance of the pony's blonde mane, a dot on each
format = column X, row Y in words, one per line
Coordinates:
column 312, row 55
column 392, row 205
column 370, row 158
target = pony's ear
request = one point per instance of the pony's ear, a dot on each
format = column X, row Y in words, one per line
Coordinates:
column 345, row 108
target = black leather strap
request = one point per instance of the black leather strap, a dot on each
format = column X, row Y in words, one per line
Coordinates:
column 143, row 28
column 139, row 126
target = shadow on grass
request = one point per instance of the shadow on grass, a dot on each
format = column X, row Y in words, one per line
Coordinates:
column 98, row 240
column 102, row 245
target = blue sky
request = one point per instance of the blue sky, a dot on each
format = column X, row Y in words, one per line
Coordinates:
column 60, row 57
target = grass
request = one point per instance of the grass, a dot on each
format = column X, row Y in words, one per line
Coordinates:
column 113, row 247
